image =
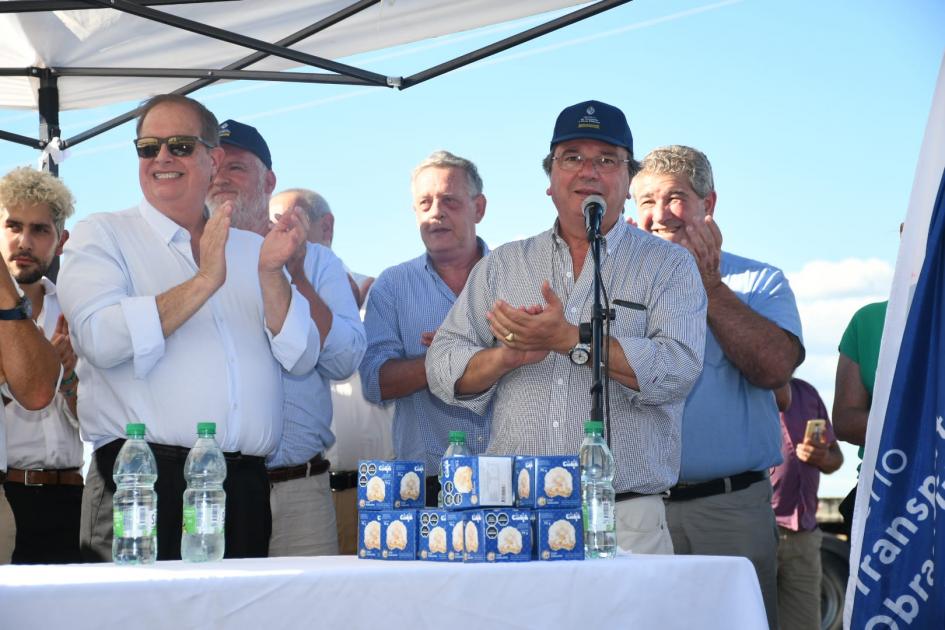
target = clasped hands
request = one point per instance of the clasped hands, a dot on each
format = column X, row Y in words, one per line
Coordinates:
column 526, row 334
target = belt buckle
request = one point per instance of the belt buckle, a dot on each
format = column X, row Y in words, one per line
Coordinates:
column 26, row 477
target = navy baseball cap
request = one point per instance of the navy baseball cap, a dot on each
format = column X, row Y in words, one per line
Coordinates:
column 245, row 137
column 593, row 120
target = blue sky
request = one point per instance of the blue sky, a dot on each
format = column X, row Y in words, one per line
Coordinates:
column 812, row 114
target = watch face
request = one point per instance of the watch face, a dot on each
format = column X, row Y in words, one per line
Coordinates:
column 579, row 355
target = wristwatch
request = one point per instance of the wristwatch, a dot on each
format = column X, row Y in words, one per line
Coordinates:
column 22, row 310
column 580, row 354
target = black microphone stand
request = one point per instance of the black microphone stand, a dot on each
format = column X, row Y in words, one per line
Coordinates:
column 595, row 334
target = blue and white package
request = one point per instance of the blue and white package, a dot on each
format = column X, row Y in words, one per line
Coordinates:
column 440, row 535
column 391, row 485
column 399, row 535
column 559, row 534
column 477, row 481
column 547, row 481
column 498, row 535
column 369, row 535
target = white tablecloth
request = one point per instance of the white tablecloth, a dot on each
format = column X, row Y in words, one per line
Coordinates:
column 647, row 592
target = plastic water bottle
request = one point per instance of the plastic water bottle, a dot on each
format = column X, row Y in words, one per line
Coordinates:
column 597, row 493
column 204, row 499
column 134, row 504
column 456, row 448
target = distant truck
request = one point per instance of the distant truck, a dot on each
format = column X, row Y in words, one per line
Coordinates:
column 835, row 563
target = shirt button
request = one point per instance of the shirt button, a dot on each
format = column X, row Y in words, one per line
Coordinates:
column 560, row 381
column 568, row 274
column 555, row 424
column 574, row 309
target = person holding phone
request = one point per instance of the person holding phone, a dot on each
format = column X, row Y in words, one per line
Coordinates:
column 809, row 447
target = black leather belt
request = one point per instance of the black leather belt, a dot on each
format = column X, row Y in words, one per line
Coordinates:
column 180, row 452
column 342, row 480
column 626, row 496
column 689, row 491
column 318, row 465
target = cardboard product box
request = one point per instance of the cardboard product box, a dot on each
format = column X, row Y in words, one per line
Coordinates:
column 477, row 481
column 498, row 535
column 369, row 534
column 391, row 485
column 399, row 534
column 440, row 535
column 547, row 481
column 559, row 534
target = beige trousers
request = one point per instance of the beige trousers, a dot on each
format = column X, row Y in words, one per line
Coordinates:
column 799, row 579
column 303, row 518
column 7, row 527
column 641, row 526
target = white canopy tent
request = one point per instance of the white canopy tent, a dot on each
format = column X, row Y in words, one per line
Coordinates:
column 71, row 54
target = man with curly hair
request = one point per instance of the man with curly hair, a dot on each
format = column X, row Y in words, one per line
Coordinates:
column 43, row 452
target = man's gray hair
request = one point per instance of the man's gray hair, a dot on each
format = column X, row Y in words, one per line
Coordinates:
column 680, row 160
column 445, row 159
column 310, row 201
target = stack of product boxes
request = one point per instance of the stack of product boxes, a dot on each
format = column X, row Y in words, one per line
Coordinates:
column 495, row 509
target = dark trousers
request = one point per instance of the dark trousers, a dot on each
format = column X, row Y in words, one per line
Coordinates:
column 248, row 524
column 47, row 522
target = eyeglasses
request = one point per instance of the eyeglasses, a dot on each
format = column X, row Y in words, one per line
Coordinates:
column 179, row 146
column 575, row 162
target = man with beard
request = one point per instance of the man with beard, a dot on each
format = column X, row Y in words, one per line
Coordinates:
column 303, row 515
column 29, row 365
column 179, row 319
column 44, row 452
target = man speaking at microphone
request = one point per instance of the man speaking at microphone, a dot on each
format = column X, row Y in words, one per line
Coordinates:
column 512, row 336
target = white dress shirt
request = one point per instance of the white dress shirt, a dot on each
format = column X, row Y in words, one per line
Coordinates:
column 222, row 365
column 47, row 438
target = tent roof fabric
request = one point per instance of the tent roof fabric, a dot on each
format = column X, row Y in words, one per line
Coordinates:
column 108, row 38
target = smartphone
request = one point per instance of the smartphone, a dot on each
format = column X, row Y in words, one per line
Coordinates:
column 815, row 430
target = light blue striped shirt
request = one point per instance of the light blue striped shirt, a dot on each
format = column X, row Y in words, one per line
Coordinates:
column 405, row 301
column 307, row 407
column 540, row 409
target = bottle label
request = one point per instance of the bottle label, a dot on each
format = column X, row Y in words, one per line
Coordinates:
column 204, row 518
column 136, row 521
column 598, row 516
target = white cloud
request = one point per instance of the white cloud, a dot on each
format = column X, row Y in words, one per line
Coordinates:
column 853, row 277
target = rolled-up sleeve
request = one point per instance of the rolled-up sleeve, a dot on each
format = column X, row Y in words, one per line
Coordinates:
column 667, row 361
column 296, row 347
column 383, row 339
column 345, row 343
column 107, row 323
column 464, row 333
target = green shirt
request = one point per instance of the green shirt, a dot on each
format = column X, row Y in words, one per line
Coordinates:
column 860, row 343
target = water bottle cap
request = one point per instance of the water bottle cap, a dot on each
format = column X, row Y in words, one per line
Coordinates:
column 206, row 428
column 594, row 426
column 134, row 429
column 458, row 436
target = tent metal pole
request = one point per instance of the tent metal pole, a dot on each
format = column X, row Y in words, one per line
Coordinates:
column 240, row 40
column 235, row 75
column 48, row 114
column 509, row 42
column 36, row 6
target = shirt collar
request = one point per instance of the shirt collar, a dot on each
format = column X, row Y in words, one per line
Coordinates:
column 48, row 285
column 611, row 239
column 167, row 229
column 483, row 252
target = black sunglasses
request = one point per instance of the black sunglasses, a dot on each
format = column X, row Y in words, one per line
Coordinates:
column 179, row 146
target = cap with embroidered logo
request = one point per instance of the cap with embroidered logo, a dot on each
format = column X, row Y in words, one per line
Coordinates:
column 245, row 137
column 593, row 120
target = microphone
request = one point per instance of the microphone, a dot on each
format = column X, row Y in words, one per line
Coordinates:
column 594, row 208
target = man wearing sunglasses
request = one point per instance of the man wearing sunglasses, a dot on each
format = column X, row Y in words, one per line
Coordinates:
column 303, row 514
column 180, row 319
column 512, row 338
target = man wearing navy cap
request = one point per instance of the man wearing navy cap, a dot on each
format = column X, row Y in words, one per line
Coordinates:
column 303, row 515
column 512, row 337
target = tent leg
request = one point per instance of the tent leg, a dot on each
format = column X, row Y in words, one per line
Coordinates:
column 48, row 114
